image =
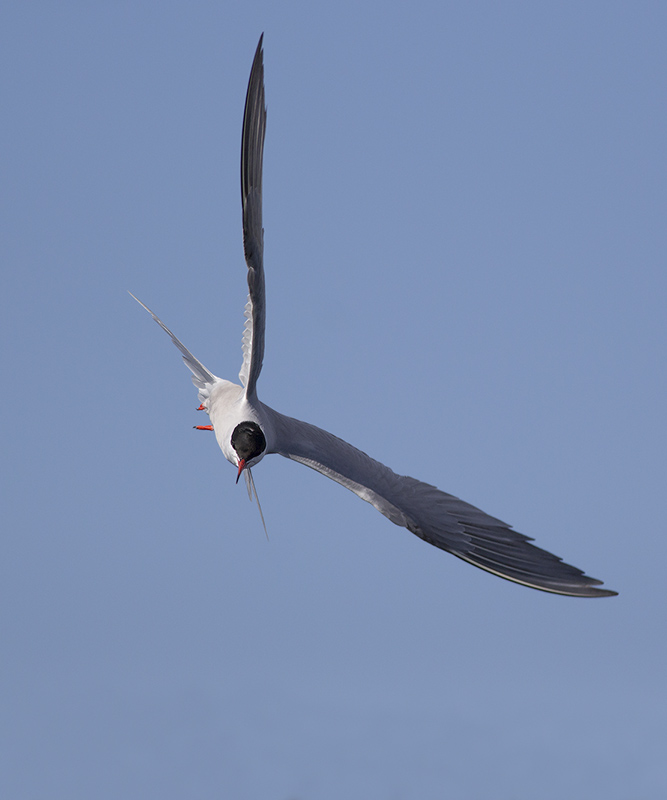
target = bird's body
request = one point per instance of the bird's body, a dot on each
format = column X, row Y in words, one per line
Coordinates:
column 227, row 407
column 247, row 430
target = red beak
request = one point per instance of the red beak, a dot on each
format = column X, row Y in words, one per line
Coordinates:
column 241, row 468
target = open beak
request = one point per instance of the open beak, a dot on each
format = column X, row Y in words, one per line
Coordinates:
column 242, row 465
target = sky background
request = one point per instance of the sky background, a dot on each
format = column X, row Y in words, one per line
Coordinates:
column 464, row 206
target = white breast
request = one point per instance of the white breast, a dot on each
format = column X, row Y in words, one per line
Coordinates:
column 227, row 407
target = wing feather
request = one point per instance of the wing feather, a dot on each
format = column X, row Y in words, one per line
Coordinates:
column 435, row 516
column 252, row 156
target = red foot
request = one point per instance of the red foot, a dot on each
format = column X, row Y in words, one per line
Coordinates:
column 201, row 408
column 203, row 427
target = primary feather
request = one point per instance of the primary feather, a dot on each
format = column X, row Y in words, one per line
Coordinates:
column 252, row 158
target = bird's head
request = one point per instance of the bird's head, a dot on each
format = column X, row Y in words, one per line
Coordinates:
column 249, row 444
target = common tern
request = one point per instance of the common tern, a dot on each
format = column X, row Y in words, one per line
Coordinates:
column 247, row 430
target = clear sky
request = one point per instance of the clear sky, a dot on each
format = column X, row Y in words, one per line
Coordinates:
column 465, row 208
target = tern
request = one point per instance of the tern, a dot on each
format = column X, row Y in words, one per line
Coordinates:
column 247, row 430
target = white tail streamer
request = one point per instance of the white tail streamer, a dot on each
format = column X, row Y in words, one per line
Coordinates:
column 252, row 492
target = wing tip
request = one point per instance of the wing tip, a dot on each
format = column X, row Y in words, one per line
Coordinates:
column 579, row 586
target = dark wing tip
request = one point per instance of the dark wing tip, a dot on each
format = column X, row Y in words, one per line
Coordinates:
column 254, row 128
column 511, row 556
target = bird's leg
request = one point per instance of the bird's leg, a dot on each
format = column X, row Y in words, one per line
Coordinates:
column 203, row 427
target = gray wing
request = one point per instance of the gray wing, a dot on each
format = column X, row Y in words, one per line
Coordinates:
column 435, row 516
column 252, row 155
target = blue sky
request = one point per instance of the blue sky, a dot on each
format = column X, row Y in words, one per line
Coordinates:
column 464, row 208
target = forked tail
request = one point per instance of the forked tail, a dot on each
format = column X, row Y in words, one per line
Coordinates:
column 202, row 378
column 252, row 494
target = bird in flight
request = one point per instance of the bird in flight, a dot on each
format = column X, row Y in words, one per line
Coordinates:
column 247, row 430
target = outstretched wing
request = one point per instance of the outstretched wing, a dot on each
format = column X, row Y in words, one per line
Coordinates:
column 252, row 155
column 437, row 517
